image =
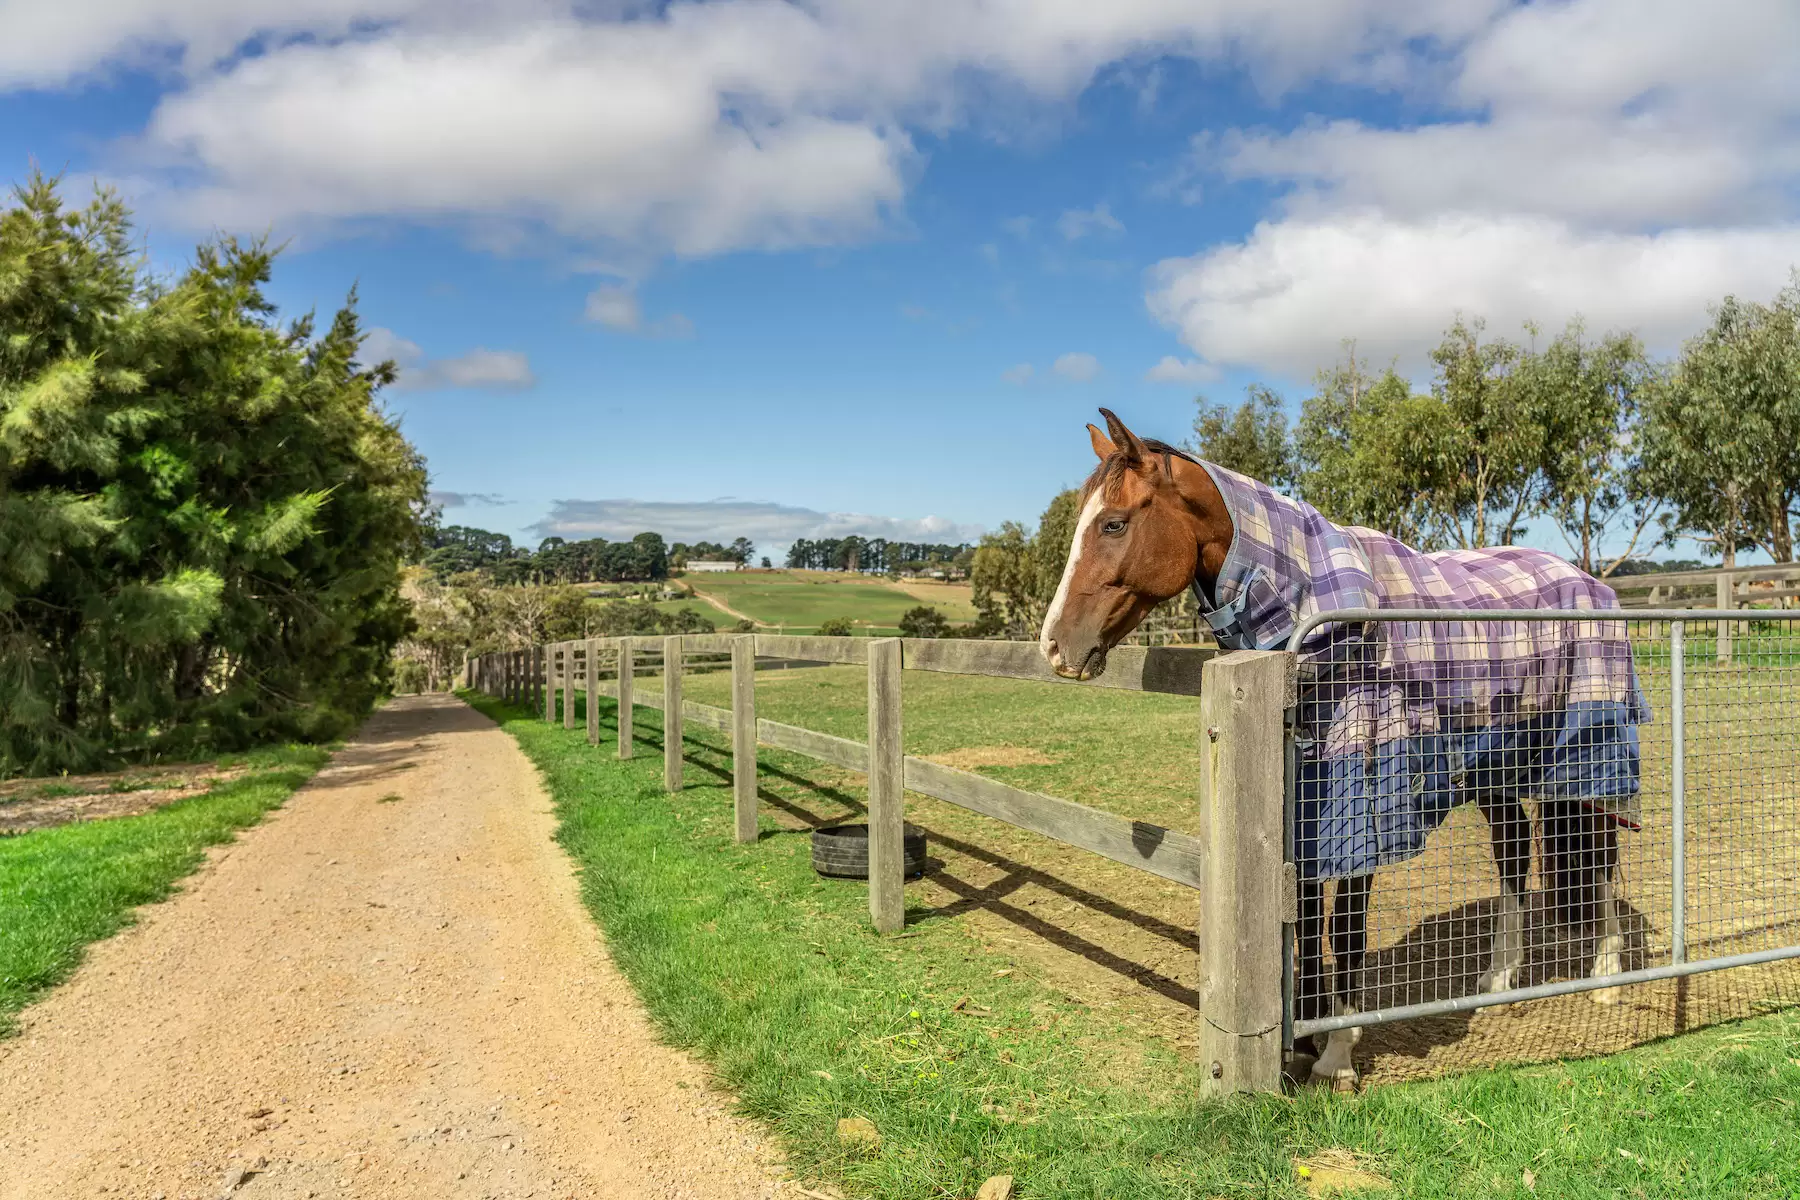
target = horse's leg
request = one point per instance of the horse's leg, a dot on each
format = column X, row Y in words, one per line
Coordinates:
column 1349, row 939
column 1603, row 837
column 1511, row 835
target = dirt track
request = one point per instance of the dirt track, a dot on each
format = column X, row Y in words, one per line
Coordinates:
column 390, row 989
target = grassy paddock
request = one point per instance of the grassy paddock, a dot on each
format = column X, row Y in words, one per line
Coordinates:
column 63, row 888
column 970, row 1069
column 800, row 600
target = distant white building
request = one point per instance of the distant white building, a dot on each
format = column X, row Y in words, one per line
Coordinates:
column 704, row 564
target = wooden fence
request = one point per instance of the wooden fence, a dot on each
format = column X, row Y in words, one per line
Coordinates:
column 1235, row 861
column 1737, row 588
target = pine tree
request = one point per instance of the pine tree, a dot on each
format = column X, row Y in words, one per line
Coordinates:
column 202, row 512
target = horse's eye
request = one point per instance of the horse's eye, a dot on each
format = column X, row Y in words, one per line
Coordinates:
column 1113, row 526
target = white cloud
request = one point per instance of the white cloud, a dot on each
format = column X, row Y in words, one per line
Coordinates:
column 616, row 307
column 1287, row 296
column 1181, row 370
column 1629, row 160
column 1079, row 368
column 770, row 526
column 463, row 499
column 381, row 344
column 482, row 369
column 1019, row 374
column 691, row 128
column 1077, row 223
column 485, row 370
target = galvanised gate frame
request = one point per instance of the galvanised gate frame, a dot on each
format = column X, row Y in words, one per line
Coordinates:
column 1734, row 674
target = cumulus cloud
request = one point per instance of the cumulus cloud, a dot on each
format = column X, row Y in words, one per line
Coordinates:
column 1018, row 374
column 1632, row 162
column 480, row 368
column 616, row 307
column 691, row 128
column 1077, row 368
column 770, row 526
column 463, row 499
column 1077, row 223
column 1286, row 297
column 1170, row 369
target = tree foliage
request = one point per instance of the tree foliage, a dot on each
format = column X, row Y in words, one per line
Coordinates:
column 468, row 615
column 1722, row 429
column 202, row 511
column 1251, row 439
column 857, row 553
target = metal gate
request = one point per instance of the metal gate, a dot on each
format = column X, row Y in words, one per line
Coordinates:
column 1439, row 754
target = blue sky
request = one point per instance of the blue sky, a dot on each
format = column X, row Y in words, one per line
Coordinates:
column 779, row 270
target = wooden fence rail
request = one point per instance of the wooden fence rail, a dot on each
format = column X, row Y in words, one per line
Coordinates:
column 1236, row 862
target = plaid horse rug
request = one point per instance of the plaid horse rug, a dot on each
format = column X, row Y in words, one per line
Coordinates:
column 1402, row 721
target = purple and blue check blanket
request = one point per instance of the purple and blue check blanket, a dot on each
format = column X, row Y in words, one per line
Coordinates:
column 1402, row 720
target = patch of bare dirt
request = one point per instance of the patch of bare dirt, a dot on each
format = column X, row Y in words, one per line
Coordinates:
column 969, row 758
column 364, row 999
column 27, row 804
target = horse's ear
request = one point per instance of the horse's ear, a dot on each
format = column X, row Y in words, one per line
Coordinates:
column 1103, row 449
column 1126, row 441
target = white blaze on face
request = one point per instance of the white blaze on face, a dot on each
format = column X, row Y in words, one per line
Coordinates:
column 1090, row 512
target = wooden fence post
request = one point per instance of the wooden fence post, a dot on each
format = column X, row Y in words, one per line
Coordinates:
column 568, row 684
column 592, row 655
column 1242, row 797
column 743, row 735
column 548, row 653
column 512, row 671
column 672, row 713
column 627, row 675
column 1724, row 599
column 887, row 782
column 540, row 669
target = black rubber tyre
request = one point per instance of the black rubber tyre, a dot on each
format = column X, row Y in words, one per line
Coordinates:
column 842, row 851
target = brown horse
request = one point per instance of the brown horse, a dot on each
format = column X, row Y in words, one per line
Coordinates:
column 1152, row 523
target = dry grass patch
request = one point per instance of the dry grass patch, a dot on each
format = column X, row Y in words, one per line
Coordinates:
column 28, row 804
column 971, row 758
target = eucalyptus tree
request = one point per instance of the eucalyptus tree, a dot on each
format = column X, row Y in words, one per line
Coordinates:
column 1722, row 430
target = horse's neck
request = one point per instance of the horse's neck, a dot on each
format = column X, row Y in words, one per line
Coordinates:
column 1211, row 520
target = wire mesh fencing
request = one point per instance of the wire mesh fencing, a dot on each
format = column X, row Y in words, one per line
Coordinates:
column 1493, row 807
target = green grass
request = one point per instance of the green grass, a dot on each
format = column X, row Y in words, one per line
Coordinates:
column 800, row 600
column 692, row 604
column 773, row 976
column 63, row 888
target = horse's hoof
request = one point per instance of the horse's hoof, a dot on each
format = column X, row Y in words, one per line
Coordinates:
column 1344, row 1082
column 1606, row 996
column 1501, row 980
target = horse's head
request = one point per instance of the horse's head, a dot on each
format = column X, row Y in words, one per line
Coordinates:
column 1151, row 520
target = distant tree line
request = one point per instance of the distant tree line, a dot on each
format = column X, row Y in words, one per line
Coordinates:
column 203, row 511
column 453, row 550
column 457, row 549
column 855, row 553
column 739, row 551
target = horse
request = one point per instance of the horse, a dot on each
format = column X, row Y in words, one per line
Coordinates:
column 1155, row 521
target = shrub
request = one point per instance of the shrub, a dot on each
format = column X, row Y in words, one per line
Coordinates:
column 835, row 627
column 923, row 622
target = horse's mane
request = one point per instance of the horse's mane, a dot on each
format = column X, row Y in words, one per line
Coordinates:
column 1107, row 474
